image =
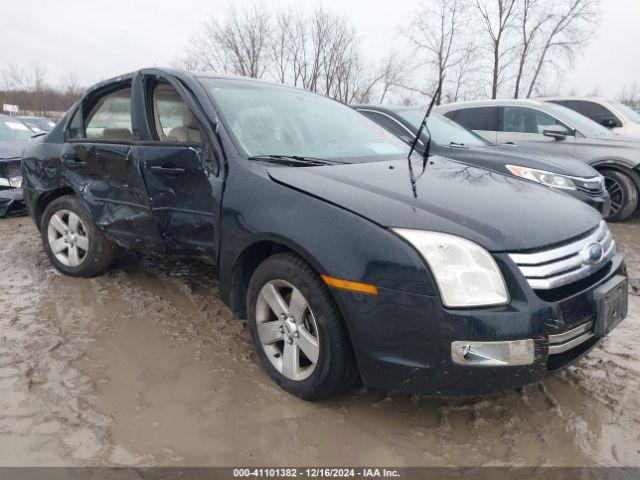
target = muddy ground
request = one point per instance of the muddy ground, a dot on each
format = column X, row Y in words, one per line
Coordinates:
column 145, row 366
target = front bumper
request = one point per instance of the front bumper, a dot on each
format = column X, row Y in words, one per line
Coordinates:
column 12, row 202
column 403, row 341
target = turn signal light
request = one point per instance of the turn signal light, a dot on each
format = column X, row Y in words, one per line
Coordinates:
column 350, row 286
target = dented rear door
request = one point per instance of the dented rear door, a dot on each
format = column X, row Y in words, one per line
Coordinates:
column 108, row 179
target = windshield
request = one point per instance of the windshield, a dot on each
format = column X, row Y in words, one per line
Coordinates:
column 11, row 129
column 629, row 112
column 584, row 125
column 443, row 131
column 272, row 120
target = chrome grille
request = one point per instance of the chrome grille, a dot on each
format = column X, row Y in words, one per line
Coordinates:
column 566, row 341
column 553, row 268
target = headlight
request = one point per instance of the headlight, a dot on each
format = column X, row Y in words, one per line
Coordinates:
column 549, row 179
column 466, row 274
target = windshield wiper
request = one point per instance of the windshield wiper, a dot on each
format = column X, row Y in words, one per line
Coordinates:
column 296, row 159
column 426, row 153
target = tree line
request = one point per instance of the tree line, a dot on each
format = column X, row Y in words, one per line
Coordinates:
column 476, row 48
column 29, row 88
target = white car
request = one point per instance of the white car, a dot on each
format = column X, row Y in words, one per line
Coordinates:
column 616, row 116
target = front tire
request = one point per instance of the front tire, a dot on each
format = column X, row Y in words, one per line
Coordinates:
column 72, row 242
column 623, row 192
column 297, row 330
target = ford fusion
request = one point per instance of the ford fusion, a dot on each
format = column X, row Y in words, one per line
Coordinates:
column 431, row 277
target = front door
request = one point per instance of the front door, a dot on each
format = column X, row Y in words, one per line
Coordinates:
column 101, row 162
column 524, row 126
column 182, row 173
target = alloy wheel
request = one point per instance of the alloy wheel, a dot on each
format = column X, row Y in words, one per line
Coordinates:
column 617, row 194
column 287, row 330
column 68, row 238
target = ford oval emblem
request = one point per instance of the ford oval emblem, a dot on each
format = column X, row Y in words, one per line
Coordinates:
column 593, row 254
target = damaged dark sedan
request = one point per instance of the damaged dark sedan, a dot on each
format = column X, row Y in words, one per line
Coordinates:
column 346, row 260
column 14, row 135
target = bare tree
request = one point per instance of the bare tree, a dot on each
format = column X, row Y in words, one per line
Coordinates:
column 532, row 18
column 571, row 26
column 392, row 74
column 435, row 31
column 236, row 44
column 630, row 95
column 71, row 86
column 462, row 73
column 497, row 22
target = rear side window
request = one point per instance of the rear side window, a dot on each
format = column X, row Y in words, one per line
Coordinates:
column 481, row 118
column 527, row 120
column 110, row 118
column 594, row 111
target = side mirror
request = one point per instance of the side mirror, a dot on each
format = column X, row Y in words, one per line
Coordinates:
column 610, row 123
column 556, row 132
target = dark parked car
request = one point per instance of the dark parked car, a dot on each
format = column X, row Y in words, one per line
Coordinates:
column 450, row 140
column 448, row 280
column 39, row 124
column 557, row 130
column 14, row 135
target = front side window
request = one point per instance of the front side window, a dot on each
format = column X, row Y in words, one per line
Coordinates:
column 592, row 110
column 173, row 119
column 12, row 129
column 631, row 114
column 477, row 118
column 275, row 120
column 527, row 120
column 110, row 117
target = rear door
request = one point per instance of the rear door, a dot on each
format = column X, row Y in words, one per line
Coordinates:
column 182, row 169
column 481, row 120
column 524, row 126
column 101, row 163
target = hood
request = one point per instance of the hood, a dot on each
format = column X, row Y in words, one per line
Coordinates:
column 499, row 212
column 11, row 148
column 497, row 157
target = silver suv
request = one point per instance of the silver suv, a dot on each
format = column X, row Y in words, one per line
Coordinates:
column 555, row 129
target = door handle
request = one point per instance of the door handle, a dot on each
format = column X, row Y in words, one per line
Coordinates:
column 509, row 143
column 167, row 170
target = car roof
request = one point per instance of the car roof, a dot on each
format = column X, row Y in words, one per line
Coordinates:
column 186, row 76
column 391, row 108
column 592, row 98
column 490, row 103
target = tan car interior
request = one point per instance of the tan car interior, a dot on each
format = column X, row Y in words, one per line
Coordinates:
column 174, row 121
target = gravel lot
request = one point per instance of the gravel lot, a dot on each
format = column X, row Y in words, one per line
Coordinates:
column 145, row 366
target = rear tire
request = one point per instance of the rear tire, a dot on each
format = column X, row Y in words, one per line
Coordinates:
column 309, row 325
column 624, row 194
column 72, row 242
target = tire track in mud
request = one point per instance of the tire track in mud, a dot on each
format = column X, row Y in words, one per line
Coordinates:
column 44, row 418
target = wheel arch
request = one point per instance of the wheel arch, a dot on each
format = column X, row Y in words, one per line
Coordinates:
column 620, row 166
column 45, row 200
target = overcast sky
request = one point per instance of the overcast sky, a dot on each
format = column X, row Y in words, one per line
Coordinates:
column 99, row 39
